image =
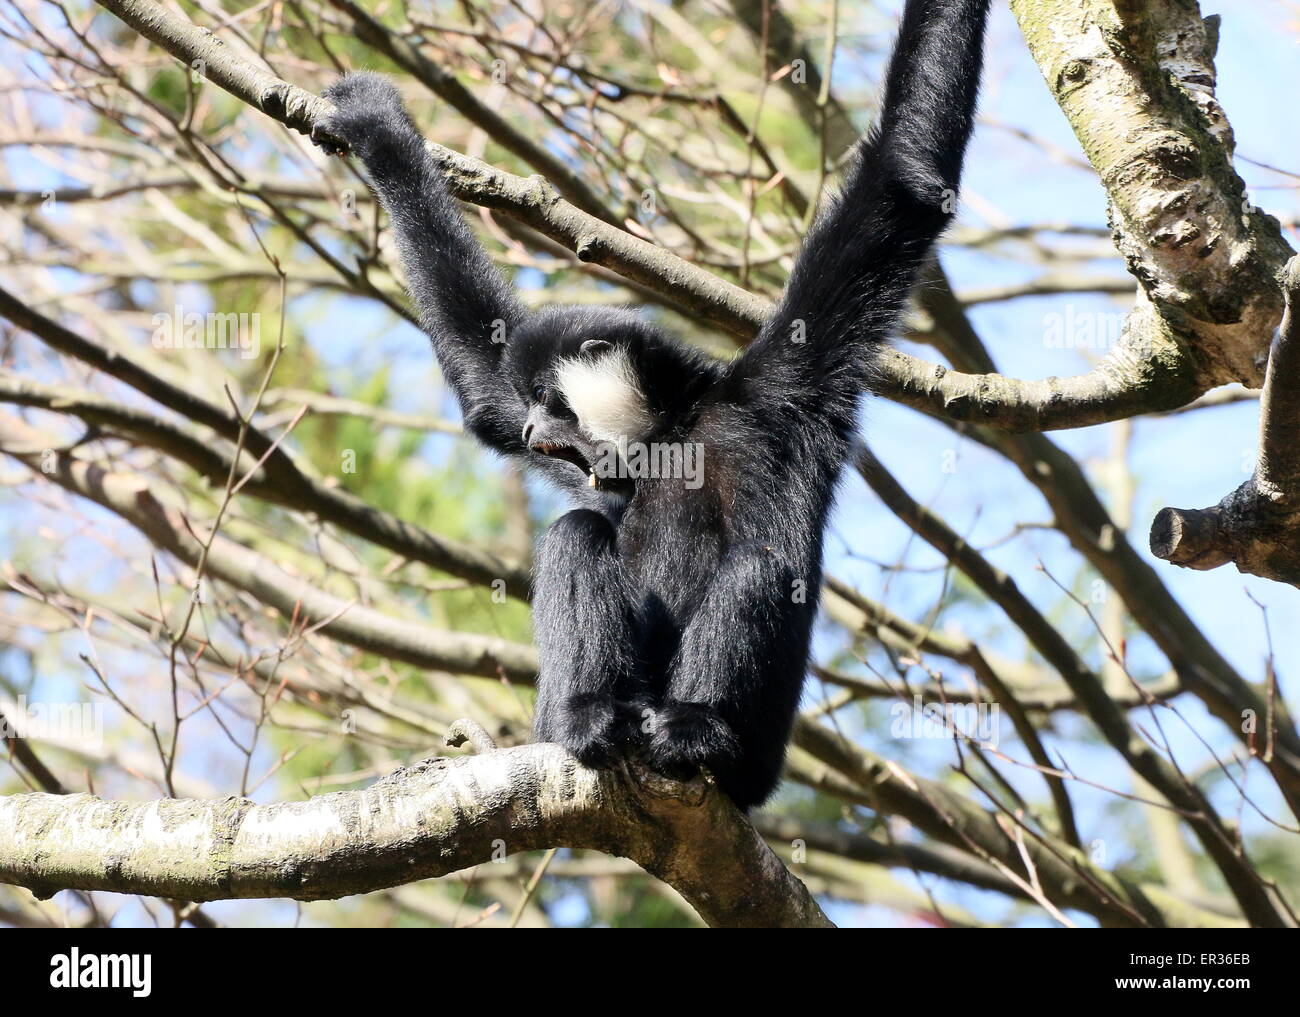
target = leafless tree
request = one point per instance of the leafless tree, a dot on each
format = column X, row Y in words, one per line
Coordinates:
column 284, row 586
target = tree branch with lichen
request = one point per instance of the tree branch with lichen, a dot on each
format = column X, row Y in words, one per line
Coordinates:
column 430, row 819
column 1137, row 83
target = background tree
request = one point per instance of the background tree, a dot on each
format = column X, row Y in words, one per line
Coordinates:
column 246, row 535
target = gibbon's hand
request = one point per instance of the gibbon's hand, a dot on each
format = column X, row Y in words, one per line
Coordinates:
column 368, row 114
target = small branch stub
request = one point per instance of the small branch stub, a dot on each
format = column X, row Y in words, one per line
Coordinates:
column 1189, row 537
column 471, row 731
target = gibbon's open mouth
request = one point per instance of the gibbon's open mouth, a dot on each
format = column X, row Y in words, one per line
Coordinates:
column 570, row 455
column 566, row 452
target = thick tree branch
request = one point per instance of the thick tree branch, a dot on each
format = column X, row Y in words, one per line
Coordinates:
column 531, row 200
column 45, row 779
column 430, row 819
column 1132, row 379
column 1136, row 82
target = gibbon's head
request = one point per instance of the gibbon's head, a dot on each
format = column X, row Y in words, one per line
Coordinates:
column 598, row 377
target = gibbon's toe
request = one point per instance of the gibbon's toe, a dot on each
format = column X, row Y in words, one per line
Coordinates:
column 688, row 737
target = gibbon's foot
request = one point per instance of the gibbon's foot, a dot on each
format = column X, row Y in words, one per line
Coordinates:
column 688, row 737
column 368, row 111
column 596, row 727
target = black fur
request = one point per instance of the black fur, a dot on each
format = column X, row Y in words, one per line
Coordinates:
column 680, row 618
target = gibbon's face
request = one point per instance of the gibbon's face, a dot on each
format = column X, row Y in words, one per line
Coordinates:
column 583, row 396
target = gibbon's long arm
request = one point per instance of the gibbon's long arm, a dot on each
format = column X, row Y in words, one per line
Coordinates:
column 465, row 305
column 861, row 257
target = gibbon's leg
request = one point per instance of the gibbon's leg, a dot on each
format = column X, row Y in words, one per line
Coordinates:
column 737, row 677
column 590, row 693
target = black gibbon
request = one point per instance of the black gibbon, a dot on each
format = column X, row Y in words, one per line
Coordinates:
column 674, row 617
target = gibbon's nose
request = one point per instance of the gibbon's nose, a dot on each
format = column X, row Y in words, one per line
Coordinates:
column 536, row 426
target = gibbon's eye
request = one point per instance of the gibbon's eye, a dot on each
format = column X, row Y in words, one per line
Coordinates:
column 539, row 393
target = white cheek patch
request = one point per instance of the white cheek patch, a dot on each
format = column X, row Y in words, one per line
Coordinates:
column 605, row 396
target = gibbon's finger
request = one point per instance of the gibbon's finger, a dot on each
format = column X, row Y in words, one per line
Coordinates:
column 327, row 141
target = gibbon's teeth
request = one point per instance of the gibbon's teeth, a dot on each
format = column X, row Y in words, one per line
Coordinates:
column 591, row 480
